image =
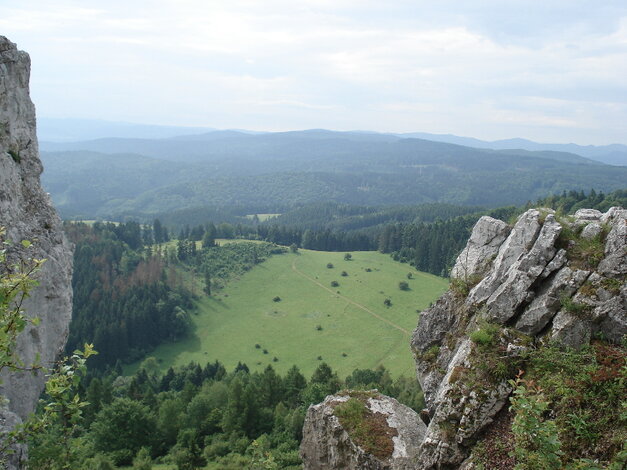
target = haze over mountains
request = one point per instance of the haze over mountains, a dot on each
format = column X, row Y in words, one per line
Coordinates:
column 139, row 177
column 55, row 130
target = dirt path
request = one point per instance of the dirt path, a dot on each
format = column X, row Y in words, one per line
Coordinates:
column 350, row 301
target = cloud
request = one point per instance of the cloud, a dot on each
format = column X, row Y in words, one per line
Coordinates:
column 553, row 70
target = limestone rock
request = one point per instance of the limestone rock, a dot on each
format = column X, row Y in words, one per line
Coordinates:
column 615, row 262
column 27, row 214
column 587, row 215
column 520, row 239
column 8, row 421
column 591, row 230
column 610, row 317
column 327, row 445
column 485, row 240
column 514, row 285
column 571, row 330
column 548, row 300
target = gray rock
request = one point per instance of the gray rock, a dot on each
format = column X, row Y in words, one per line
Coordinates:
column 327, row 445
column 514, row 289
column 18, row 452
column 544, row 307
column 571, row 330
column 517, row 244
column 460, row 415
column 612, row 213
column 610, row 317
column 615, row 262
column 27, row 214
column 587, row 215
column 591, row 230
column 483, row 245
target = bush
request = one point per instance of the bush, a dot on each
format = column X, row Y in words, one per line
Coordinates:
column 348, row 257
column 276, row 299
column 330, row 265
column 334, row 284
column 403, row 285
column 319, row 327
column 387, row 302
column 344, row 273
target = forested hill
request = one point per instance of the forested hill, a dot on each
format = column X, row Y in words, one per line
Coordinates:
column 142, row 177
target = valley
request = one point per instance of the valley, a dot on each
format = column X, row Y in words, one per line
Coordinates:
column 348, row 326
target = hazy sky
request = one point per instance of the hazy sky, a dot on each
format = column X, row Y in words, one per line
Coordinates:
column 551, row 71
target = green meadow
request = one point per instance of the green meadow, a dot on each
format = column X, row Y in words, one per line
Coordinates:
column 347, row 326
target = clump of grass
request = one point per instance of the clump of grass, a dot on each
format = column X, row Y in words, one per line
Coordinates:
column 611, row 285
column 462, row 286
column 367, row 429
column 486, row 335
column 15, row 155
column 583, row 253
column 431, row 354
column 578, row 309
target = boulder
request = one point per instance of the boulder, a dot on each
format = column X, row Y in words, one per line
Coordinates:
column 327, row 445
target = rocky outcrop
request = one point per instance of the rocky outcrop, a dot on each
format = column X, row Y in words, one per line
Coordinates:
column 546, row 278
column 327, row 444
column 27, row 214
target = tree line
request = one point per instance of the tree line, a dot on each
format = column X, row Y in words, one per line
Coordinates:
column 201, row 414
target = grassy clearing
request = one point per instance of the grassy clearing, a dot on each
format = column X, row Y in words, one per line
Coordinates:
column 347, row 326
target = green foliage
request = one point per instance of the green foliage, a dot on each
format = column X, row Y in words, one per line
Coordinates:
column 122, row 428
column 486, row 335
column 403, row 285
column 537, row 446
column 142, row 460
column 348, row 257
column 16, row 282
column 584, row 394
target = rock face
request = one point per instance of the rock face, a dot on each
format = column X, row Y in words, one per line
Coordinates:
column 27, row 214
column 546, row 278
column 327, row 445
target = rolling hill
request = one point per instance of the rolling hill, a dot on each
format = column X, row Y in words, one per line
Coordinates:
column 115, row 178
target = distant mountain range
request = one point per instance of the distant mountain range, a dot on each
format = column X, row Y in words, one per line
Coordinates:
column 74, row 130
column 130, row 177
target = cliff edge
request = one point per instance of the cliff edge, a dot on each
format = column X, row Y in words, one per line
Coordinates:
column 27, row 214
column 546, row 296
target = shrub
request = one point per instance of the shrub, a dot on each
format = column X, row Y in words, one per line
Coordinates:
column 257, row 346
column 330, row 265
column 387, row 302
column 537, row 445
column 276, row 299
column 334, row 284
column 319, row 327
column 348, row 257
column 344, row 273
column 403, row 285
column 410, row 276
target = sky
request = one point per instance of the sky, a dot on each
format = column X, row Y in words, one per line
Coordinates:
column 546, row 70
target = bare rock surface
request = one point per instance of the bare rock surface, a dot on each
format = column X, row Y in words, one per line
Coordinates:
column 27, row 214
column 485, row 240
